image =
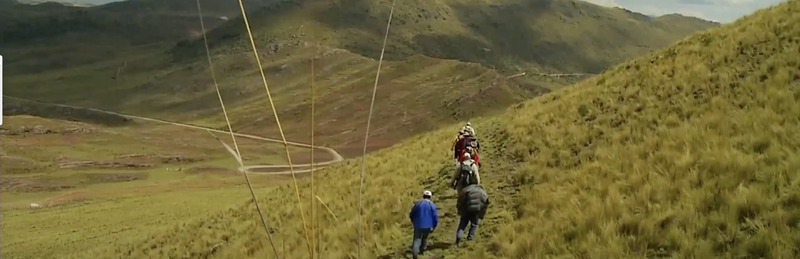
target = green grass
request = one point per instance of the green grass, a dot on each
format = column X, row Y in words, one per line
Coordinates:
column 85, row 205
column 68, row 230
column 691, row 151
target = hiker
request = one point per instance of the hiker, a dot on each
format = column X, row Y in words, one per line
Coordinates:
column 468, row 129
column 467, row 142
column 466, row 173
column 425, row 218
column 473, row 154
column 457, row 145
column 471, row 205
column 464, row 140
column 472, row 141
column 469, row 139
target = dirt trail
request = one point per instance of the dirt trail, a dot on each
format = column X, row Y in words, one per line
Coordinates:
column 336, row 156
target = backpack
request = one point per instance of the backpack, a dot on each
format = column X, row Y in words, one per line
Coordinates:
column 466, row 175
column 474, row 203
column 473, row 143
column 470, row 142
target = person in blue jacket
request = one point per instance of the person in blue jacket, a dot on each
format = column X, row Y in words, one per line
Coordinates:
column 425, row 219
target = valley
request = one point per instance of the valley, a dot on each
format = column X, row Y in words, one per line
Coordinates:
column 604, row 132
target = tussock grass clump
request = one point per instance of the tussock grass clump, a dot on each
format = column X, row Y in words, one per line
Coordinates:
column 692, row 151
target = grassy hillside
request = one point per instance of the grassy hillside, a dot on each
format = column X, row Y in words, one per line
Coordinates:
column 50, row 36
column 135, row 22
column 692, row 151
column 13, row 106
column 98, row 183
column 560, row 35
column 415, row 95
column 417, row 92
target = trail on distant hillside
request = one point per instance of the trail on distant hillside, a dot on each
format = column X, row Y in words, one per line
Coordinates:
column 336, row 156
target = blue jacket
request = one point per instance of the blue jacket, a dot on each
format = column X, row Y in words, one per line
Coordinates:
column 423, row 214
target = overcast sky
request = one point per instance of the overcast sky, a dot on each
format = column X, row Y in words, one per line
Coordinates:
column 723, row 11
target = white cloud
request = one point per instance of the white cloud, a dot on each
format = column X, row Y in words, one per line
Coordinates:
column 606, row 3
column 655, row 11
column 730, row 2
column 715, row 10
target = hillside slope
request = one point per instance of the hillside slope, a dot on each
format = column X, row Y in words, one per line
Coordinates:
column 101, row 57
column 49, row 36
column 97, row 183
column 414, row 96
column 554, row 35
column 136, row 21
column 693, row 150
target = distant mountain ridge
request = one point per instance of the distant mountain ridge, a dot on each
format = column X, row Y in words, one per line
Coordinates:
column 66, row 3
column 559, row 35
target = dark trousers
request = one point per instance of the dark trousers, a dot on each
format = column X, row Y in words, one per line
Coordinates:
column 420, row 242
column 467, row 218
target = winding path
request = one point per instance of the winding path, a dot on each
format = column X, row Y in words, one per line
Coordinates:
column 336, row 156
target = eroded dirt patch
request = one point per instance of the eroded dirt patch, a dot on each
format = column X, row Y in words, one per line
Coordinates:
column 165, row 159
column 32, row 185
column 19, row 165
column 115, row 177
column 62, row 162
column 41, row 130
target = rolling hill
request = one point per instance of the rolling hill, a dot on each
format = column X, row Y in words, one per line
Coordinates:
column 126, row 22
column 549, row 35
column 52, row 36
column 145, row 57
column 690, row 151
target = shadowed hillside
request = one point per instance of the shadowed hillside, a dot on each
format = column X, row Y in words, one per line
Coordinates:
column 415, row 95
column 691, row 151
column 12, row 106
column 48, row 36
column 561, row 35
column 134, row 22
